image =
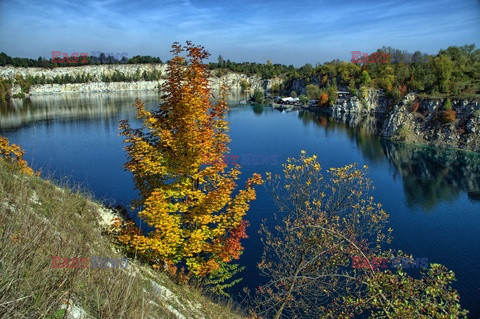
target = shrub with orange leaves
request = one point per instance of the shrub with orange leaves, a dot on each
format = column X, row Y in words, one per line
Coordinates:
column 448, row 116
column 198, row 222
column 323, row 99
column 13, row 154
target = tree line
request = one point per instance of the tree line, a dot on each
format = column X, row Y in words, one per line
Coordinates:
column 80, row 61
column 453, row 72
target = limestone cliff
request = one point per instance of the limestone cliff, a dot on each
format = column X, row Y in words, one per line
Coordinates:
column 235, row 81
column 426, row 127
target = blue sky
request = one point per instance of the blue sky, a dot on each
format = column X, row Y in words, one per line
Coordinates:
column 288, row 32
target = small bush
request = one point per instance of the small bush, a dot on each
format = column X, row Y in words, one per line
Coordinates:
column 448, row 105
column 245, row 85
column 449, row 116
column 259, row 96
column 13, row 155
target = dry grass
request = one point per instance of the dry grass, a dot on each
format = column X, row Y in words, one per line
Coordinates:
column 39, row 220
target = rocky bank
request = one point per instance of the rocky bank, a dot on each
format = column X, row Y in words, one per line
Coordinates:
column 419, row 125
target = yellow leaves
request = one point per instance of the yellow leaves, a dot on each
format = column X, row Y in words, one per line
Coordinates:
column 13, row 154
column 189, row 203
column 317, row 203
column 268, row 175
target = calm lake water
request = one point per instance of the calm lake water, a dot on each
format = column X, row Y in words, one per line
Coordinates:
column 432, row 195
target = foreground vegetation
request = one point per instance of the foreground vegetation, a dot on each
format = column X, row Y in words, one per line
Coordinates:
column 38, row 220
column 327, row 255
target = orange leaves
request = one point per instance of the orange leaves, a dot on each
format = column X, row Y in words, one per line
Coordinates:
column 190, row 205
column 232, row 246
column 323, row 99
column 13, row 154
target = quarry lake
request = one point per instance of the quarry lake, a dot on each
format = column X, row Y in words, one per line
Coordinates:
column 432, row 195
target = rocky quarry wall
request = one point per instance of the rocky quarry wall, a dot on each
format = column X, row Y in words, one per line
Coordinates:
column 97, row 72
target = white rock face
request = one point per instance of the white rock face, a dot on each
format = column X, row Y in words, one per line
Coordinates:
column 97, row 72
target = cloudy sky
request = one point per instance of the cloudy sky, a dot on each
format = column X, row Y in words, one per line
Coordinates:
column 288, row 32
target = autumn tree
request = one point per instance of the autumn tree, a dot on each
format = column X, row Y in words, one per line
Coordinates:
column 448, row 113
column 323, row 221
column 323, row 99
column 186, row 191
column 13, row 155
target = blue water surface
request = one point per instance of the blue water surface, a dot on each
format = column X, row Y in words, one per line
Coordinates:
column 432, row 195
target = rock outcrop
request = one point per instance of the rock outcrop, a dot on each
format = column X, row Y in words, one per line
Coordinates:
column 373, row 104
column 90, row 87
column 425, row 126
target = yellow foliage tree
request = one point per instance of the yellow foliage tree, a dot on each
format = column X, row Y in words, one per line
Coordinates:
column 186, row 191
column 13, row 154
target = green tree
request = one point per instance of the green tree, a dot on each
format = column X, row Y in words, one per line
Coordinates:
column 221, row 61
column 352, row 87
column 365, row 80
column 313, row 91
column 332, row 92
column 443, row 67
column 303, row 99
column 258, row 96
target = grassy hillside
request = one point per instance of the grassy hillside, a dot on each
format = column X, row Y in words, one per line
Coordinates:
column 39, row 220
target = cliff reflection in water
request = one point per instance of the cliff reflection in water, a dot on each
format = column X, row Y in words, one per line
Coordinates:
column 430, row 175
column 80, row 107
column 71, row 107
